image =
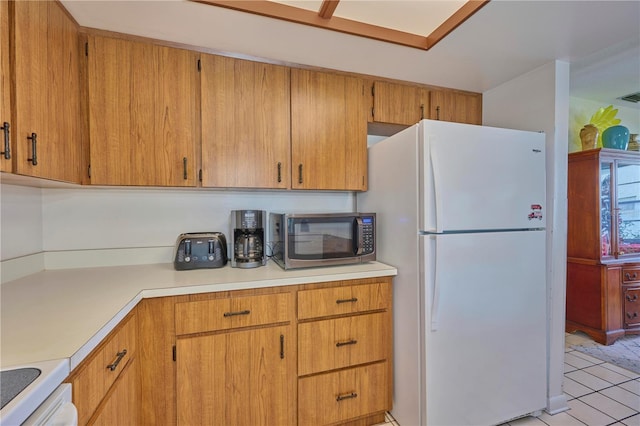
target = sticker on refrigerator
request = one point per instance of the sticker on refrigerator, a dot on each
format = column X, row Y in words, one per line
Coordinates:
column 536, row 212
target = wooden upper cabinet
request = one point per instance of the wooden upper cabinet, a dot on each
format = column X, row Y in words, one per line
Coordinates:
column 245, row 124
column 5, row 90
column 143, row 113
column 328, row 131
column 399, row 103
column 455, row 106
column 46, row 125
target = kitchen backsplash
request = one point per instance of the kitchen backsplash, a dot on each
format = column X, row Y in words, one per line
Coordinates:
column 54, row 220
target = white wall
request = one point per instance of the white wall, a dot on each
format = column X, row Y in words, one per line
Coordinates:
column 90, row 218
column 52, row 220
column 20, row 221
column 545, row 108
column 580, row 113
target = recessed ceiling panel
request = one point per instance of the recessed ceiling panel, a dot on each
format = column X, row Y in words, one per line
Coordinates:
column 419, row 17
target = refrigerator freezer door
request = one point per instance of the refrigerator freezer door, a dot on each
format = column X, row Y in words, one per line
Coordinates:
column 480, row 178
column 484, row 307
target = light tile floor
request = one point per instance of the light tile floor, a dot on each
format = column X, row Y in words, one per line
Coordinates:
column 598, row 393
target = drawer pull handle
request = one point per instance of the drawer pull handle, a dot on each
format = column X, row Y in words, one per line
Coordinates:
column 352, row 300
column 346, row 396
column 34, row 146
column 282, row 346
column 632, row 315
column 629, row 277
column 632, row 299
column 233, row 314
column 115, row 363
column 349, row 342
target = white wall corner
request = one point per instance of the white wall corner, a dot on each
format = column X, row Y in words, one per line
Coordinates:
column 19, row 267
column 545, row 108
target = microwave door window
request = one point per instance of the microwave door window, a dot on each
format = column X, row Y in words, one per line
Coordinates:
column 321, row 239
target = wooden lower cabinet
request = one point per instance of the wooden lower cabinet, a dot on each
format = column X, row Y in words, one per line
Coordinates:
column 311, row 354
column 108, row 379
column 121, row 406
column 603, row 300
column 344, row 353
column 335, row 397
column 239, row 378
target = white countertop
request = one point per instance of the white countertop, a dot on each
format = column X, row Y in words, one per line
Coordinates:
column 56, row 314
column 55, row 318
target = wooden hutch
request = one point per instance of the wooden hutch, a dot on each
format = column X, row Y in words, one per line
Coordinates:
column 603, row 244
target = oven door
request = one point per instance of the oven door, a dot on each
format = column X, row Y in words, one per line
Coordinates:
column 56, row 410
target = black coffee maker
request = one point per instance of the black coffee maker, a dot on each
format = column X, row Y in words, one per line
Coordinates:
column 247, row 229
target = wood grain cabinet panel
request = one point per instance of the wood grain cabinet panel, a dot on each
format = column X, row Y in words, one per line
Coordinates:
column 342, row 342
column 92, row 380
column 122, row 405
column 5, row 90
column 343, row 300
column 344, row 353
column 233, row 312
column 399, row 103
column 237, row 378
column 199, row 367
column 328, row 131
column 143, row 113
column 246, row 135
column 449, row 105
column 46, row 91
column 338, row 396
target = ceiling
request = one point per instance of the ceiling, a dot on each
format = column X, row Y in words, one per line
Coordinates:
column 502, row 40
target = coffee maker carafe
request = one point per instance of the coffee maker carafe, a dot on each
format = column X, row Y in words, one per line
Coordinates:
column 247, row 228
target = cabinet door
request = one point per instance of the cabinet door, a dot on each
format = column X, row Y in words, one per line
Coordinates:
column 399, row 103
column 455, row 106
column 47, row 91
column 121, row 406
column 238, row 378
column 328, row 131
column 143, row 113
column 5, row 90
column 245, row 124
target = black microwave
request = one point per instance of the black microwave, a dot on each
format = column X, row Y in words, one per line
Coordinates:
column 322, row 239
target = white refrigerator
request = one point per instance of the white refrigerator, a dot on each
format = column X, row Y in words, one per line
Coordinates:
column 460, row 212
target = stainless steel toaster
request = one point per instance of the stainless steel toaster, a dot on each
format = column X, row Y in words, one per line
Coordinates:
column 199, row 250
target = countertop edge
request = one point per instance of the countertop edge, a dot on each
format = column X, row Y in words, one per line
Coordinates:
column 76, row 358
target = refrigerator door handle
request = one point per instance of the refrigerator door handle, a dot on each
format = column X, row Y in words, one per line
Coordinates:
column 435, row 297
column 436, row 180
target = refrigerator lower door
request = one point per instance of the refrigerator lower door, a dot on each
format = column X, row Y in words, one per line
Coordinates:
column 484, row 327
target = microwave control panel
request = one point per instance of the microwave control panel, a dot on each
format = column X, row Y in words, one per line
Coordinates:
column 367, row 235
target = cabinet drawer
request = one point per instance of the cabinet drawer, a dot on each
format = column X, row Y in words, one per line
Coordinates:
column 330, row 344
column 631, row 275
column 96, row 376
column 632, row 307
column 232, row 312
column 343, row 300
column 342, row 395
